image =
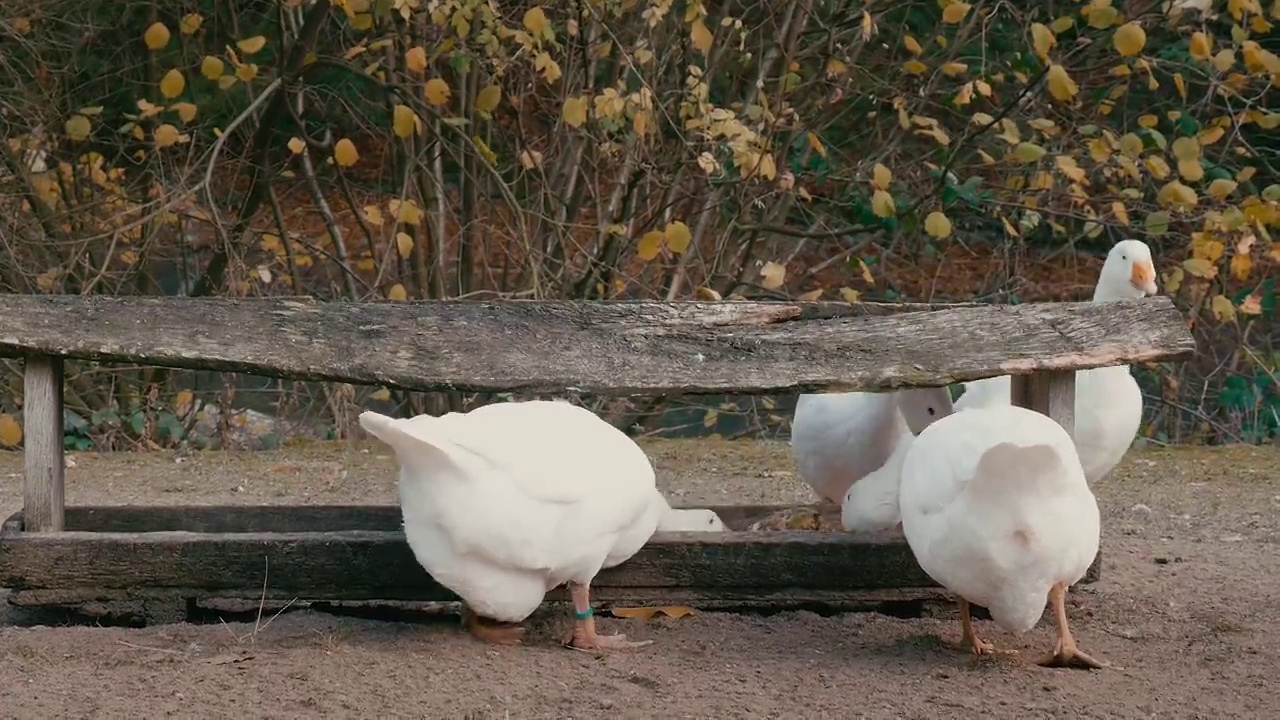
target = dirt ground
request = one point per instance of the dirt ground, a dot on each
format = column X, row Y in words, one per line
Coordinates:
column 1183, row 613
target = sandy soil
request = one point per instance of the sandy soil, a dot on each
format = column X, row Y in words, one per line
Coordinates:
column 1183, row 613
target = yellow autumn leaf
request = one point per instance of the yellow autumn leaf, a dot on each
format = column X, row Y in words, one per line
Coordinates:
column 397, row 292
column 406, row 212
column 172, row 84
column 415, row 59
column 1101, row 16
column 247, row 72
column 677, row 236
column 1199, row 267
column 912, row 45
column 403, row 121
column 1175, row 194
column 1186, row 148
column 647, row 613
column 165, row 135
column 955, row 12
column 78, row 128
column 404, row 244
column 1061, row 86
column 156, row 36
column 1200, row 46
column 1042, row 40
column 575, row 111
column 1223, row 60
column 815, row 142
column 344, row 153
column 882, row 204
column 1129, row 39
column 10, row 431
column 296, row 145
column 436, row 91
column 211, row 67
column 1157, row 223
column 1026, row 152
column 914, row 67
column 381, row 395
column 700, row 36
column 1120, row 212
column 488, row 98
column 1241, row 266
column 772, row 275
column 650, row 245
column 1191, row 170
column 937, row 225
column 535, row 21
column 952, row 69
column 1220, row 188
column 1131, row 145
column 251, row 45
column 881, row 176
column 1222, row 308
column 190, row 23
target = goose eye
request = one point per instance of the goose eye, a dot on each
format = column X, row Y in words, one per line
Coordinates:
column 1124, row 257
column 932, row 412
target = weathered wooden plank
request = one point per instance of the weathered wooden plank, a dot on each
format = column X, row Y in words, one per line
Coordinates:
column 378, row 564
column 1048, row 393
column 606, row 348
column 43, row 486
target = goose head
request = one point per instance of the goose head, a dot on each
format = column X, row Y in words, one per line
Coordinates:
column 921, row 407
column 691, row 520
column 1127, row 274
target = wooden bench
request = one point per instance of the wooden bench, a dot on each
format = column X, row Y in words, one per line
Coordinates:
column 50, row 553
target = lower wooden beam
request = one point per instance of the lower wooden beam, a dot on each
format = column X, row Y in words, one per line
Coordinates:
column 359, row 553
column 42, row 488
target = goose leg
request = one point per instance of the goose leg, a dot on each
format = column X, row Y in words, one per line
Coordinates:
column 584, row 625
column 491, row 631
column 970, row 637
column 1065, row 654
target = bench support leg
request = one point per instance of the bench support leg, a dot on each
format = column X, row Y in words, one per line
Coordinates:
column 1049, row 393
column 43, row 493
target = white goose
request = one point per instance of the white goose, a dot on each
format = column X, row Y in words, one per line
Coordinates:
column 838, row 438
column 1108, row 407
column 510, row 500
column 996, row 509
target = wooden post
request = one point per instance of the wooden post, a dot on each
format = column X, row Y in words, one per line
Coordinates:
column 1050, row 393
column 43, row 493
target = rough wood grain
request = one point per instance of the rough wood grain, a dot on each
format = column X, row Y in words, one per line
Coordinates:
column 1048, row 393
column 606, row 348
column 351, row 564
column 42, row 486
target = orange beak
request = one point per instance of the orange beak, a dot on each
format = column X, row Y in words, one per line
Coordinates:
column 1143, row 277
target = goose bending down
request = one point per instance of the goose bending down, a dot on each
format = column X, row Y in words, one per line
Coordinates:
column 510, row 500
column 996, row 509
column 1108, row 406
column 837, row 439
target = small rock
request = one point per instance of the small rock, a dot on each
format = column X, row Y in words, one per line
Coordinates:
column 1162, row 560
column 1232, row 538
column 1140, row 509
